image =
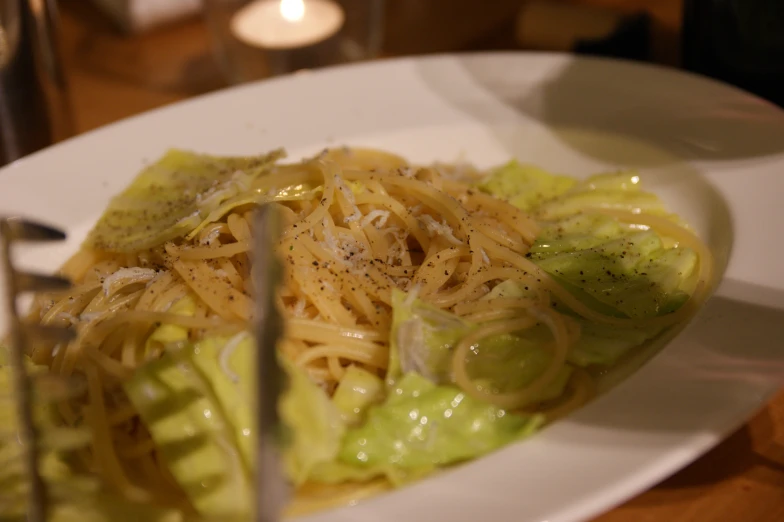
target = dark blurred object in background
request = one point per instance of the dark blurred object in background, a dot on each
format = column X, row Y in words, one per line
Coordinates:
column 737, row 41
column 433, row 26
column 34, row 108
column 549, row 25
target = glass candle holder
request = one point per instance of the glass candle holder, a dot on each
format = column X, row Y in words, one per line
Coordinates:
column 256, row 39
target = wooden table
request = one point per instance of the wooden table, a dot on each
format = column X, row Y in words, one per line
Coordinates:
column 114, row 76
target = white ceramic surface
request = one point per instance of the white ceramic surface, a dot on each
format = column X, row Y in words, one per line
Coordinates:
column 714, row 153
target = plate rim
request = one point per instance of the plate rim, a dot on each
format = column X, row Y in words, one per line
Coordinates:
column 385, row 62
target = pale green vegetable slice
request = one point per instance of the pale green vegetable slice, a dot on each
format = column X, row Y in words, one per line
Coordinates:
column 295, row 192
column 314, row 425
column 226, row 364
column 609, row 266
column 575, row 202
column 72, row 497
column 197, row 444
column 604, row 345
column 357, row 390
column 598, row 344
column 423, row 426
column 423, row 338
column 634, row 275
column 171, row 197
column 509, row 362
column 525, row 186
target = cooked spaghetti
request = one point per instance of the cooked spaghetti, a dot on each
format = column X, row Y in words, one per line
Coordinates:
column 511, row 287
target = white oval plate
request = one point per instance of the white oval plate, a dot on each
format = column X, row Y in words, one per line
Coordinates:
column 714, row 153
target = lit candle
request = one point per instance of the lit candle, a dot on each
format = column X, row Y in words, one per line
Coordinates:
column 287, row 24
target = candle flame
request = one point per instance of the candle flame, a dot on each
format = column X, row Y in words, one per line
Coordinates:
column 292, row 10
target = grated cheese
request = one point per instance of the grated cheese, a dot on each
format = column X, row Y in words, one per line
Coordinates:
column 226, row 352
column 210, row 238
column 91, row 316
column 194, row 218
column 129, row 276
column 68, row 317
column 394, row 253
column 412, row 295
column 330, row 241
column 299, row 308
column 403, row 283
column 241, row 179
column 441, row 229
column 381, row 215
column 351, row 246
column 356, row 215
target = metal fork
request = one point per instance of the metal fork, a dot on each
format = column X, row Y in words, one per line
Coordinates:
column 18, row 282
column 272, row 490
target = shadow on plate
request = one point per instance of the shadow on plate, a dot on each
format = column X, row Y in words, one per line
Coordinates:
column 734, row 348
column 688, row 116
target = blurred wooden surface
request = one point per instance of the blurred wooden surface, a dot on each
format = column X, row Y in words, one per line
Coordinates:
column 114, row 76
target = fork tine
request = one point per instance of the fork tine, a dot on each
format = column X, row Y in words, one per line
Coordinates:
column 26, row 230
column 12, row 229
column 31, row 282
column 48, row 389
column 271, row 485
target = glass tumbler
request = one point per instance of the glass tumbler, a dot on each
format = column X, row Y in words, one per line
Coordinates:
column 256, row 39
column 34, row 105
